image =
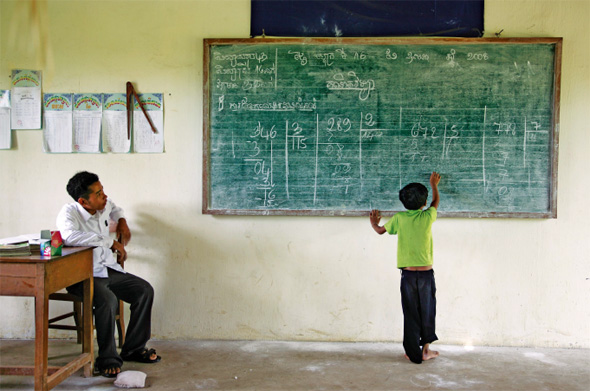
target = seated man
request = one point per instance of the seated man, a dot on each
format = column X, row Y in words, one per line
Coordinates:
column 85, row 222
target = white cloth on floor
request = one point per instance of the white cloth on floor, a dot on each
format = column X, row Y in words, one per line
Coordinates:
column 130, row 379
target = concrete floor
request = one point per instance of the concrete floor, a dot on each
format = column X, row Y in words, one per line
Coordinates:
column 275, row 366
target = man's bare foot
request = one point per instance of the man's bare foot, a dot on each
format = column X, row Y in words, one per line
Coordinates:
column 406, row 356
column 428, row 354
column 111, row 371
column 147, row 356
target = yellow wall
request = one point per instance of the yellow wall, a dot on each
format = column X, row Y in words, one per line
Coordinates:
column 500, row 282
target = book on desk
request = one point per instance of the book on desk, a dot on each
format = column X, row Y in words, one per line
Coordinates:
column 15, row 249
column 22, row 245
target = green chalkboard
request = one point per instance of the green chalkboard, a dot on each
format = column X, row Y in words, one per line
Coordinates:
column 339, row 126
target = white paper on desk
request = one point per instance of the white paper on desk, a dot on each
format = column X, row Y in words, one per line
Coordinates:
column 58, row 128
column 21, row 238
column 144, row 139
column 26, row 99
column 87, row 120
column 114, row 124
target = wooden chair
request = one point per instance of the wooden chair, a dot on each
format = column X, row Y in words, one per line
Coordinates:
column 76, row 312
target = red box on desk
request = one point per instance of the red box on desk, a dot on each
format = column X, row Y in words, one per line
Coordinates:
column 51, row 248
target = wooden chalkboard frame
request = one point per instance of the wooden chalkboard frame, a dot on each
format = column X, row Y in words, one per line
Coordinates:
column 554, row 137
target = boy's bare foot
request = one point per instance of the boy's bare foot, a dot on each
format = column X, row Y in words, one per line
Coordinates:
column 406, row 356
column 428, row 354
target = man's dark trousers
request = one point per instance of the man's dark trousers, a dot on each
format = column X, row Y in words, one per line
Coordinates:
column 107, row 293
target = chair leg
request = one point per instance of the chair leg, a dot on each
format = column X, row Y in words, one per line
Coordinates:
column 79, row 321
column 121, row 324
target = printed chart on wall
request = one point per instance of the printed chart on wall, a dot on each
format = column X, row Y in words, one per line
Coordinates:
column 5, row 131
column 338, row 126
column 58, row 122
column 26, row 99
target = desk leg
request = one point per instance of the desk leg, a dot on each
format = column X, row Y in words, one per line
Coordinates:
column 88, row 332
column 41, row 331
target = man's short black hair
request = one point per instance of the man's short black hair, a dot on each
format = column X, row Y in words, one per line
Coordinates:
column 413, row 196
column 79, row 185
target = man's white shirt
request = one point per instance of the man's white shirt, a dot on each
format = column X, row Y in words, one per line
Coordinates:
column 79, row 228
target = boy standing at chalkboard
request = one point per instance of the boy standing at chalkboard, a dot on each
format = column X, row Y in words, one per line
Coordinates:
column 414, row 258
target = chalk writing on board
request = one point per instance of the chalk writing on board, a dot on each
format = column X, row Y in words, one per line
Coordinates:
column 351, row 82
column 339, row 129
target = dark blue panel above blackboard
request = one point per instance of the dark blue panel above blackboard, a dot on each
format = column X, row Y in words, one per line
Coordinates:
column 354, row 18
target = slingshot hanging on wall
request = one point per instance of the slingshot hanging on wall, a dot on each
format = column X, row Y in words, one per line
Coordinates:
column 130, row 95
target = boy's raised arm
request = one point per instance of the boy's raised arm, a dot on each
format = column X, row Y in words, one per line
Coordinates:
column 434, row 180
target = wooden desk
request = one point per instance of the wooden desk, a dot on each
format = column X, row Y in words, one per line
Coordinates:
column 39, row 276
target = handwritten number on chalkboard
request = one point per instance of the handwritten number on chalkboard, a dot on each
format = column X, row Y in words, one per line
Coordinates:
column 477, row 57
column 339, row 124
column 255, row 149
column 259, row 131
column 298, row 140
column 505, row 128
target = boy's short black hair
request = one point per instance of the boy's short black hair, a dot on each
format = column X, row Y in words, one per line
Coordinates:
column 413, row 196
column 78, row 185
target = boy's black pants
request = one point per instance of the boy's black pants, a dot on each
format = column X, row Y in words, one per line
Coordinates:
column 418, row 291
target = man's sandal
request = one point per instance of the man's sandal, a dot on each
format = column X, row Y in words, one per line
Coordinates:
column 143, row 357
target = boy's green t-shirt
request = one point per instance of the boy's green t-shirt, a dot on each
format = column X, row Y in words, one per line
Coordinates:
column 414, row 244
